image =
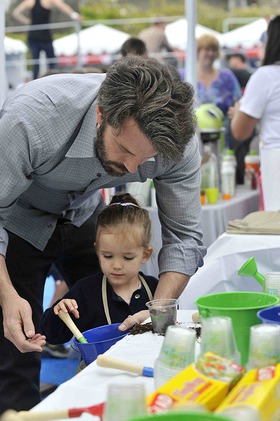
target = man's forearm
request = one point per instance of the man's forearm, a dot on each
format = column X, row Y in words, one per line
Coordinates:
column 171, row 285
column 6, row 286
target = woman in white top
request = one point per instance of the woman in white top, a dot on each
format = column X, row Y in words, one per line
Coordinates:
column 261, row 104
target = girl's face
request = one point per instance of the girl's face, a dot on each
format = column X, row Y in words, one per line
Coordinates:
column 120, row 259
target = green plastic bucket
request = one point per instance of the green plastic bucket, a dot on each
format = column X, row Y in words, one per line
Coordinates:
column 182, row 416
column 242, row 308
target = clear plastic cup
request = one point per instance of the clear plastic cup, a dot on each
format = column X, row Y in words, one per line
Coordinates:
column 217, row 336
column 163, row 313
column 125, row 401
column 264, row 346
column 178, row 348
column 163, row 373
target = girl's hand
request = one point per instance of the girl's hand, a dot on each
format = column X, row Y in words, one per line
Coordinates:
column 67, row 305
column 130, row 321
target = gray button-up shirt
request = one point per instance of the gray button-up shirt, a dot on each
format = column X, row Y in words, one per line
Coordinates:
column 49, row 169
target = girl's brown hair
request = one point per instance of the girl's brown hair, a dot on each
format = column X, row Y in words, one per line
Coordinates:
column 124, row 212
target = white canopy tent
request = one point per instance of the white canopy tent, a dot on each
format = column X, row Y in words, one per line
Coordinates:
column 96, row 39
column 15, row 55
column 177, row 33
column 245, row 36
column 14, row 46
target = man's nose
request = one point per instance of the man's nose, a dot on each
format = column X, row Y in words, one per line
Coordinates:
column 132, row 164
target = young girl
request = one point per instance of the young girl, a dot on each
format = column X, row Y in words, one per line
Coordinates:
column 122, row 245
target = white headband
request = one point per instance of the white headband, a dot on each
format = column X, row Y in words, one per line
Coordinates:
column 124, row 204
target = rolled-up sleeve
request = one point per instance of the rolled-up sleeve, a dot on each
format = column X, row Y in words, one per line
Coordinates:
column 16, row 171
column 179, row 209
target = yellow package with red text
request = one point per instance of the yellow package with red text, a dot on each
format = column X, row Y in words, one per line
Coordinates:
column 259, row 389
column 206, row 382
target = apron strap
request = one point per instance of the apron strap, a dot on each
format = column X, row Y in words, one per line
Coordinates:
column 105, row 298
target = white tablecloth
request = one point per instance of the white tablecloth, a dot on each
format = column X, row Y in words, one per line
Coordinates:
column 214, row 221
column 89, row 387
column 223, row 260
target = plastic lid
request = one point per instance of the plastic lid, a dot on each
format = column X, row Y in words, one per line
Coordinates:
column 226, row 196
column 253, row 152
column 229, row 152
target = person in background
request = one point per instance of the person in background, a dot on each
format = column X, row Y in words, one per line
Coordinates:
column 216, row 86
column 156, row 42
column 64, row 138
column 133, row 46
column 41, row 39
column 237, row 63
column 261, row 104
column 122, row 245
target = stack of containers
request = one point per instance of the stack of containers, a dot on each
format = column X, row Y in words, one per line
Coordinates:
column 228, row 175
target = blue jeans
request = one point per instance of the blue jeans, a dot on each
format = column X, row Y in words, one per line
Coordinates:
column 36, row 47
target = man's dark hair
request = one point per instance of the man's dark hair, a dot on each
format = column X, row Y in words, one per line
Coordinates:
column 160, row 102
column 237, row 55
column 133, row 46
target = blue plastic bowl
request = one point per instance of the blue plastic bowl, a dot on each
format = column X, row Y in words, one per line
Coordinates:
column 270, row 315
column 100, row 339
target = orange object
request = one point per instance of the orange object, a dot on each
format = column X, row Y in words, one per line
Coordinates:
column 226, row 196
column 202, row 197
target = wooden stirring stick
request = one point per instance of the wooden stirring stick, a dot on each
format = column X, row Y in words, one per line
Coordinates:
column 65, row 317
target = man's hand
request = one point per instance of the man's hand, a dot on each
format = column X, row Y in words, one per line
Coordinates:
column 138, row 318
column 18, row 325
column 170, row 285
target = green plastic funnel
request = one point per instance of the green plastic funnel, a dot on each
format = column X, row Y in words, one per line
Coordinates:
column 249, row 268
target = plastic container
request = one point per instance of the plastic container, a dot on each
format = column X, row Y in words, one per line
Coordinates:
column 229, row 153
column 272, row 283
column 209, row 169
column 100, row 339
column 264, row 348
column 217, row 336
column 242, row 308
column 228, row 178
column 251, row 167
column 163, row 313
column 270, row 315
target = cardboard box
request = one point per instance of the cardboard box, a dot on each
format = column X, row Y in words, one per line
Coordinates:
column 258, row 389
column 205, row 382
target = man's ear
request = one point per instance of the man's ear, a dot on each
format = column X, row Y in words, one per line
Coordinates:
column 147, row 254
column 98, row 115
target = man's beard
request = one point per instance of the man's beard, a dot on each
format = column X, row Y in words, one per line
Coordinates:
column 109, row 166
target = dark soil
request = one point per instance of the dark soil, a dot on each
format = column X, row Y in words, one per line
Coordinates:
column 147, row 327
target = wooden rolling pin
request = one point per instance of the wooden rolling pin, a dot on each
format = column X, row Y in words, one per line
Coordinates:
column 71, row 325
column 104, row 361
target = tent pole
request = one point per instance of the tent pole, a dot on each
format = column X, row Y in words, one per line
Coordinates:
column 190, row 60
column 3, row 80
